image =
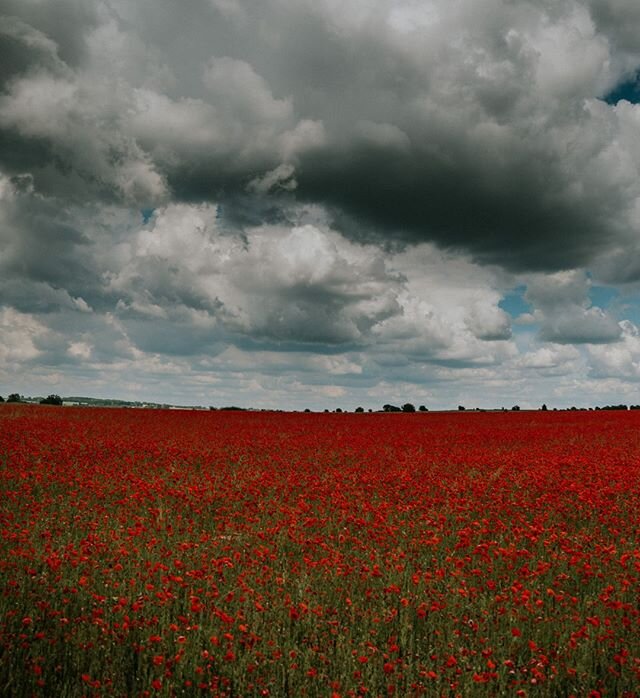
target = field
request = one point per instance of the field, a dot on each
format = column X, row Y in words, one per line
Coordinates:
column 162, row 553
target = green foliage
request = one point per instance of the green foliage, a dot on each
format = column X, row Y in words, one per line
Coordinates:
column 51, row 400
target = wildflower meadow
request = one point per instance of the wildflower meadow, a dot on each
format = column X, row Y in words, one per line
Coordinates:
column 183, row 553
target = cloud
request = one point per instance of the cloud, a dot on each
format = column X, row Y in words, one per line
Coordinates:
column 303, row 284
column 565, row 312
column 80, row 350
column 588, row 326
column 483, row 131
column 450, row 311
column 282, row 177
column 488, row 322
column 39, row 240
column 620, row 361
column 237, row 89
column 551, row 359
column 20, row 335
column 300, row 285
column 180, row 292
column 275, row 194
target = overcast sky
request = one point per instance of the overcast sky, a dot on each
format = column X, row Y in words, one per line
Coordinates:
column 321, row 203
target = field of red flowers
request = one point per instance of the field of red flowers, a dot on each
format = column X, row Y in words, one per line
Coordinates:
column 162, row 553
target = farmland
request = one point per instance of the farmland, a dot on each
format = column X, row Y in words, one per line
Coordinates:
column 161, row 553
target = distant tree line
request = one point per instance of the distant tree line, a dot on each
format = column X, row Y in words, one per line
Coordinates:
column 407, row 407
column 619, row 407
column 49, row 400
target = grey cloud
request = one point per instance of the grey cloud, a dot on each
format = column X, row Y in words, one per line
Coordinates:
column 39, row 297
column 296, row 284
column 620, row 22
column 558, row 359
column 566, row 316
column 620, row 361
column 180, row 285
column 349, row 186
column 39, row 239
column 180, row 336
column 65, row 23
column 488, row 322
column 481, row 131
column 590, row 325
column 20, row 334
column 23, row 46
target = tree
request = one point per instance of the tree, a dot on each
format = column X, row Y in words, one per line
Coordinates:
column 544, row 407
column 408, row 407
column 422, row 408
column 359, row 409
column 14, row 397
column 515, row 408
column 391, row 408
column 1, row 398
column 461, row 408
column 51, row 400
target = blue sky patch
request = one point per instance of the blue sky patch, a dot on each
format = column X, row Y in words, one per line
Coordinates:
column 514, row 302
column 146, row 214
column 629, row 90
column 603, row 296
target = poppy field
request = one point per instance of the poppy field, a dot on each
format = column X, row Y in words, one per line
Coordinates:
column 179, row 553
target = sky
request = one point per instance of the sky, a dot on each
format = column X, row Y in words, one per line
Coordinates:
column 318, row 203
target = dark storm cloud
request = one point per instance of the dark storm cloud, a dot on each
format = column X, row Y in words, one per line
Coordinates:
column 511, row 217
column 619, row 21
column 479, row 130
column 43, row 26
column 40, row 241
column 28, row 296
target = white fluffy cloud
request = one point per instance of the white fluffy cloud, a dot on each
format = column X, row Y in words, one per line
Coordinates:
column 298, row 284
column 556, row 358
column 306, row 284
column 621, row 360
